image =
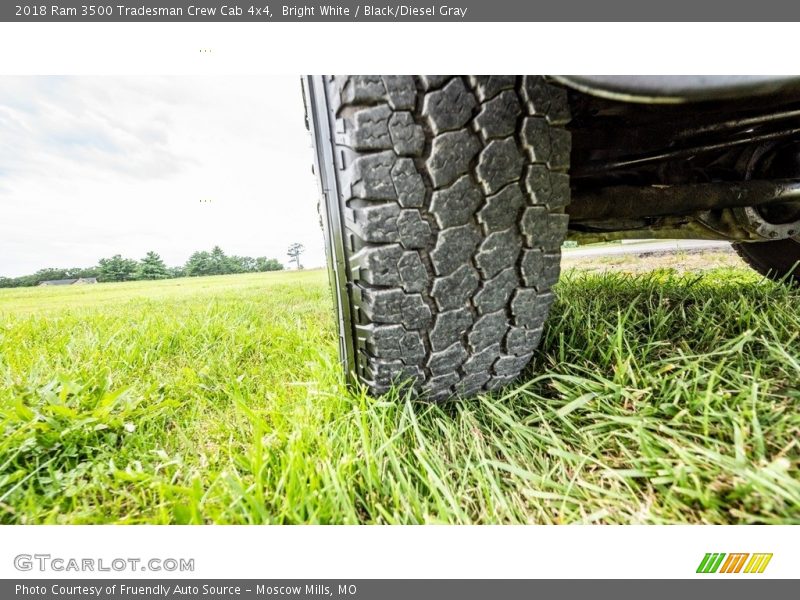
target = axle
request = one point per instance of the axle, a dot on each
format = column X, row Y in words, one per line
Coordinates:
column 635, row 202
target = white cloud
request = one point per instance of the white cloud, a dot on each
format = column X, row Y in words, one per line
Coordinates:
column 95, row 166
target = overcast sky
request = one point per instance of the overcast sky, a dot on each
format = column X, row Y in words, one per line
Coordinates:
column 96, row 166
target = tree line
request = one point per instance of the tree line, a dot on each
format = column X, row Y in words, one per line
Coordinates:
column 118, row 268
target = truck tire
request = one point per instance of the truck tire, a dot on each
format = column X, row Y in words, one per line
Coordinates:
column 777, row 260
column 443, row 209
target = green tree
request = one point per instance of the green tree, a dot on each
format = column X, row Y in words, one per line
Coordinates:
column 242, row 264
column 220, row 264
column 86, row 272
column 175, row 272
column 152, row 267
column 262, row 263
column 294, row 252
column 55, row 273
column 117, row 268
column 199, row 264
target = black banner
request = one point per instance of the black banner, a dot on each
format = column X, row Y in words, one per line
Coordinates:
column 405, row 11
column 732, row 588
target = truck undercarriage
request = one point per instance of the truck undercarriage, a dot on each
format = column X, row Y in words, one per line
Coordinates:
column 686, row 159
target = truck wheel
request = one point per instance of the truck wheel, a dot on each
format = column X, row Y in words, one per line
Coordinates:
column 775, row 260
column 443, row 208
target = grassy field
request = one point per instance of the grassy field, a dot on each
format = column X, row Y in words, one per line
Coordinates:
column 661, row 397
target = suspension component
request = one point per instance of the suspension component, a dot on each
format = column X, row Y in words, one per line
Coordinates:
column 753, row 221
column 634, row 202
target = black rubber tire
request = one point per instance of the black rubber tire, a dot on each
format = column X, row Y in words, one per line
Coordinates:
column 450, row 194
column 777, row 260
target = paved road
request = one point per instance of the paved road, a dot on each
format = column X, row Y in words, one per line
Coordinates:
column 638, row 248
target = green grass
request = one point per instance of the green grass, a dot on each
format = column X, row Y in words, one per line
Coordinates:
column 657, row 398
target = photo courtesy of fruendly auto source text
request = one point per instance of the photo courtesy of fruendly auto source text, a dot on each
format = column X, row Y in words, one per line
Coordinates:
column 528, row 329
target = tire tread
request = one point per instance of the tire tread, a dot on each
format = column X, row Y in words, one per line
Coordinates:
column 453, row 191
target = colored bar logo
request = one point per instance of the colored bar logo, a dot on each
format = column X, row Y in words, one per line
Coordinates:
column 719, row 562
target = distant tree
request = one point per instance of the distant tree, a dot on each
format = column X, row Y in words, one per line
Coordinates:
column 220, row 263
column 152, row 267
column 87, row 272
column 267, row 264
column 199, row 264
column 54, row 273
column 117, row 268
column 217, row 262
column 48, row 274
column 294, row 252
column 242, row 264
column 175, row 272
